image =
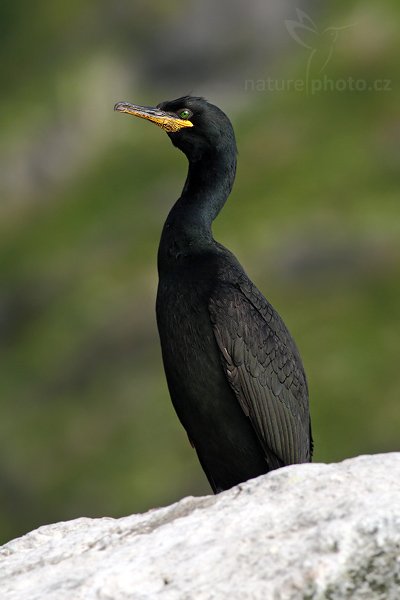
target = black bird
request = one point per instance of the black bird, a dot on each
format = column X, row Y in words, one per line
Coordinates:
column 234, row 373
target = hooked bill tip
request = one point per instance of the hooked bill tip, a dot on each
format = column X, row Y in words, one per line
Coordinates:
column 119, row 105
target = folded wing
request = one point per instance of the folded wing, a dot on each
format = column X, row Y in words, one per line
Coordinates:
column 263, row 367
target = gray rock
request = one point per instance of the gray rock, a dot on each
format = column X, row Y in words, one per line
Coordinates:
column 310, row 531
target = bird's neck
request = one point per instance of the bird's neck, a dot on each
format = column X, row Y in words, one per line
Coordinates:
column 207, row 187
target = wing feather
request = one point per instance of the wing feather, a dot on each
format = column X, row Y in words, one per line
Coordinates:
column 264, row 369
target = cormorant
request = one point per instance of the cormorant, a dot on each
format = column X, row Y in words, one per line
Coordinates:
column 234, row 373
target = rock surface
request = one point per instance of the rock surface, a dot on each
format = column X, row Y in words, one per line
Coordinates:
column 310, row 531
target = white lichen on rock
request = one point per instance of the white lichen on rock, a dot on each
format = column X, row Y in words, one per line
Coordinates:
column 310, row 531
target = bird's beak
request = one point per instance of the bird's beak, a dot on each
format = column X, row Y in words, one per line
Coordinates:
column 167, row 121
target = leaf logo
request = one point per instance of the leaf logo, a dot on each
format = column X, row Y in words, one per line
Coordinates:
column 305, row 23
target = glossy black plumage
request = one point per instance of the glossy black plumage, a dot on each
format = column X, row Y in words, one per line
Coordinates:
column 234, row 373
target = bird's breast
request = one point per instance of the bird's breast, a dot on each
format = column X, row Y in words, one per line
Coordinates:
column 183, row 319
column 190, row 354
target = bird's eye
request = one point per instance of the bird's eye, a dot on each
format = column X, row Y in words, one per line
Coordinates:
column 185, row 113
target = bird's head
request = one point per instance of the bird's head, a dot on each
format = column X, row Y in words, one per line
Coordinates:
column 195, row 126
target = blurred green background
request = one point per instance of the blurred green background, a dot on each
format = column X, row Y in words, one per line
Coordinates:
column 86, row 424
